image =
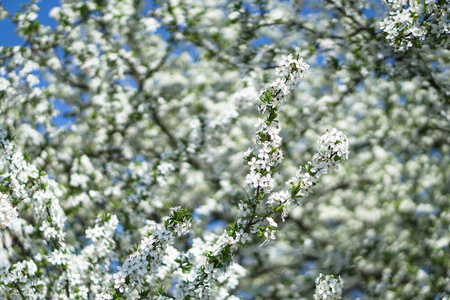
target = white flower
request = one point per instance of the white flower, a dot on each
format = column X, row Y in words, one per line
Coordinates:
column 8, row 213
column 253, row 163
column 328, row 287
column 272, row 222
column 58, row 258
column 269, row 235
column 248, row 152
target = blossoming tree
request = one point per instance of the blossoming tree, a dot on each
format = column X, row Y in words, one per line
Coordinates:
column 178, row 149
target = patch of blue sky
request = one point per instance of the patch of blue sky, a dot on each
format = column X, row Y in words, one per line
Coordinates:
column 309, row 268
column 261, row 42
column 113, row 266
column 355, row 294
column 320, row 59
column 369, row 13
column 435, row 66
column 196, row 216
column 139, row 159
column 120, row 229
column 216, row 226
column 63, row 119
column 402, row 101
column 436, row 154
column 8, row 37
column 244, row 295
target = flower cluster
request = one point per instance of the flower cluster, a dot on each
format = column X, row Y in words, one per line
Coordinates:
column 280, row 199
column 22, row 186
column 19, row 274
column 100, row 253
column 262, row 160
column 268, row 154
column 148, row 255
column 8, row 212
column 202, row 279
column 333, row 147
column 410, row 23
column 20, row 171
column 292, row 69
column 290, row 72
column 24, row 183
column 328, row 287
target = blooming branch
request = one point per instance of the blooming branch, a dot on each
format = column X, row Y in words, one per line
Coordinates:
column 149, row 254
column 259, row 183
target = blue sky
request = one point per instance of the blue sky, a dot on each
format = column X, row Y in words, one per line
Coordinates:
column 7, row 35
column 9, row 38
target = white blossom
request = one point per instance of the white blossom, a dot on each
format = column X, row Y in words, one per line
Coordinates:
column 328, row 287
